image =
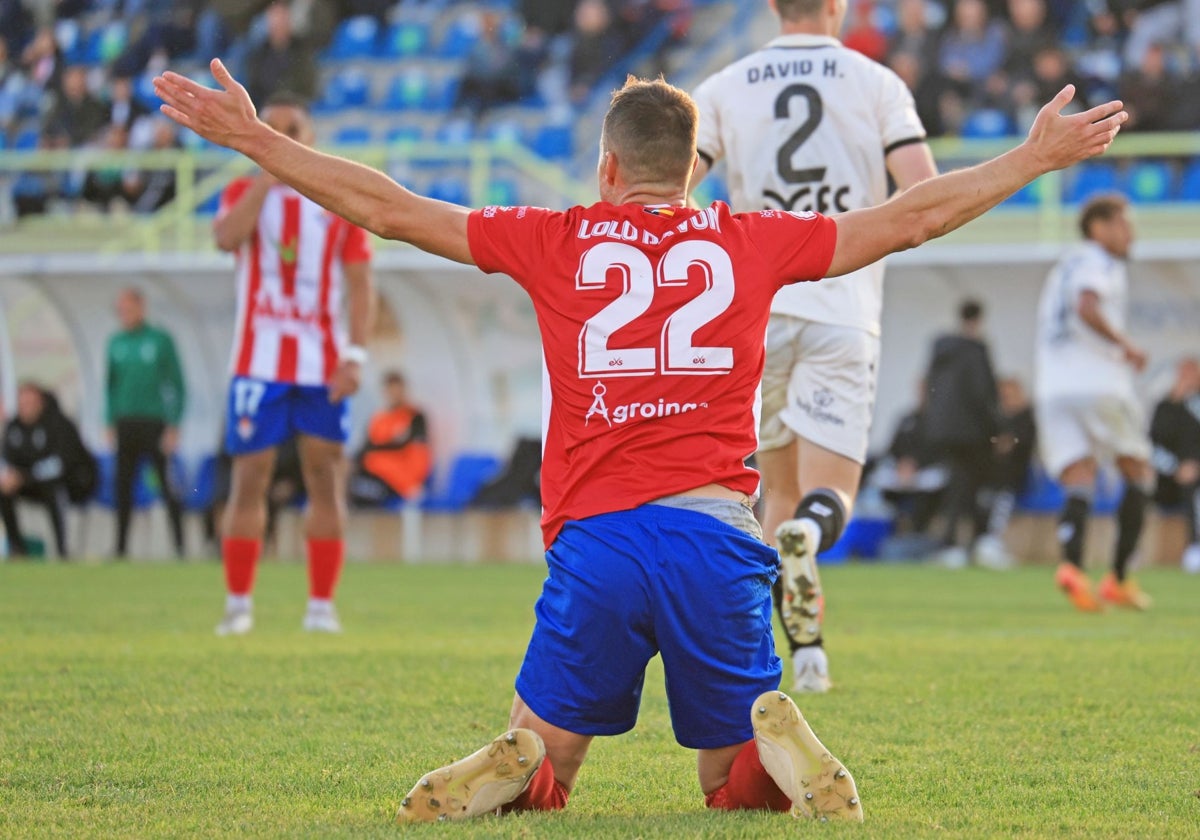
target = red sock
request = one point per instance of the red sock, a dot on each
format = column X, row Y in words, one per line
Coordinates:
column 544, row 793
column 325, row 558
column 241, row 559
column 749, row 786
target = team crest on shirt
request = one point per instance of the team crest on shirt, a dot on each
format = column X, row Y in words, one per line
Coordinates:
column 245, row 428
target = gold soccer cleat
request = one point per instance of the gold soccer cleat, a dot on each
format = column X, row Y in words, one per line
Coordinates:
column 478, row 784
column 818, row 785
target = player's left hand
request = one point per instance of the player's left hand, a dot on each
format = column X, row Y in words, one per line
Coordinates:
column 170, row 440
column 345, row 381
column 226, row 117
column 1061, row 140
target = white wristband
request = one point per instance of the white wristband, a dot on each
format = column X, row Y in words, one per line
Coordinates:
column 354, row 353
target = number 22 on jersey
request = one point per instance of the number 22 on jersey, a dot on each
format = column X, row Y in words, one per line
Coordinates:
column 676, row 353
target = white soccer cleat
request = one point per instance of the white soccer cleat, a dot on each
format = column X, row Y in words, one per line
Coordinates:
column 952, row 557
column 990, row 553
column 478, row 784
column 1191, row 559
column 818, row 785
column 322, row 620
column 236, row 622
column 810, row 670
column 803, row 605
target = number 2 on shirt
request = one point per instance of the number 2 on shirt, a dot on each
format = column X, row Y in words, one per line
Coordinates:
column 676, row 353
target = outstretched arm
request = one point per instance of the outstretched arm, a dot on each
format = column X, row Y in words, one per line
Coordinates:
column 357, row 193
column 939, row 205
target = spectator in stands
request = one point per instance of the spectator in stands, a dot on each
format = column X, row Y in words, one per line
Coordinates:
column 16, row 25
column 861, row 33
column 962, row 418
column 911, row 476
column 494, row 71
column 1162, row 22
column 77, row 116
column 395, row 462
column 108, row 184
column 12, row 86
column 596, row 47
column 124, row 109
column 1175, row 433
column 164, row 29
column 43, row 461
column 145, row 398
column 42, row 62
column 150, row 189
column 1149, row 92
column 284, row 62
column 313, row 20
column 1029, row 33
column 1014, row 448
column 972, row 47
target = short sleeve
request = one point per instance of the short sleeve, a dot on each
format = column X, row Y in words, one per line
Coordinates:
column 233, row 191
column 897, row 115
column 708, row 135
column 1086, row 271
column 356, row 247
column 512, row 240
column 799, row 246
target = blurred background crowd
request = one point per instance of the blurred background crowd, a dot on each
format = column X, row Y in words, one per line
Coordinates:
column 76, row 73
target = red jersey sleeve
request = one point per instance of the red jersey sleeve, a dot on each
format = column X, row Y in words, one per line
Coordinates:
column 234, row 190
column 356, row 246
column 799, row 246
column 512, row 240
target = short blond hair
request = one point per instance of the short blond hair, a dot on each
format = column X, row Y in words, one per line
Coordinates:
column 651, row 127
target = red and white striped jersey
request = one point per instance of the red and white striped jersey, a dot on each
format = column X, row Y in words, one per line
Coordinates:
column 289, row 287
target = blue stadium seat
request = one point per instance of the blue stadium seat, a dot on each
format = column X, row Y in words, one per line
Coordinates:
column 460, row 38
column 1189, row 185
column 1148, row 181
column 353, row 135
column 988, row 123
column 404, row 134
column 1029, row 194
column 553, row 142
column 503, row 192
column 467, row 474
column 143, row 91
column 209, row 206
column 1089, row 179
column 440, row 98
column 405, row 40
column 144, row 491
column 455, row 131
column 355, row 37
column 505, row 131
column 349, row 88
column 407, row 92
column 449, row 189
column 26, row 139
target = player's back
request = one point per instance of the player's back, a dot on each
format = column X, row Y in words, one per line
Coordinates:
column 806, row 124
column 1072, row 358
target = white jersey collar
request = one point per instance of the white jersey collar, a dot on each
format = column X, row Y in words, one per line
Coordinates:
column 803, row 40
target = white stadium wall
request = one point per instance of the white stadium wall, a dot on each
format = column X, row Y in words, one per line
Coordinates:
column 468, row 342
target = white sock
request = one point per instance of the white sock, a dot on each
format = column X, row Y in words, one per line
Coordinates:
column 239, row 603
column 320, row 605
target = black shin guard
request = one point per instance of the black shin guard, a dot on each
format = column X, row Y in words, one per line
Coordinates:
column 1131, row 513
column 1191, row 498
column 825, row 508
column 1072, row 523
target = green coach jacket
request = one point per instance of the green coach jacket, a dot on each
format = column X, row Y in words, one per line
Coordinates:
column 144, row 378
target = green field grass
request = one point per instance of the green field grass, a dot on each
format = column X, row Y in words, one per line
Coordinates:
column 967, row 704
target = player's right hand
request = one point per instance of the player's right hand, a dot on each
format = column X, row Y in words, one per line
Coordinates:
column 1135, row 356
column 226, row 117
column 1061, row 140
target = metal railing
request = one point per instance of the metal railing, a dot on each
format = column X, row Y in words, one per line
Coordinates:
column 200, row 175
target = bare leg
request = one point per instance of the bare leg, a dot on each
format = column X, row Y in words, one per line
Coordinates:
column 245, row 515
column 565, row 750
column 712, row 766
column 323, row 463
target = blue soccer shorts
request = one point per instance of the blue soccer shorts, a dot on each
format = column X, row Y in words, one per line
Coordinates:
column 263, row 414
column 624, row 586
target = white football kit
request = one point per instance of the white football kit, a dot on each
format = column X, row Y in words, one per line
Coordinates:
column 1085, row 400
column 805, row 124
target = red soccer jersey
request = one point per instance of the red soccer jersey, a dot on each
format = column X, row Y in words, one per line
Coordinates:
column 289, row 287
column 653, row 323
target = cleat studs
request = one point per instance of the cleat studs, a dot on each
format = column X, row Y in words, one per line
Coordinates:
column 510, row 738
column 841, row 774
column 425, row 783
column 405, row 802
column 808, row 795
column 782, row 696
column 522, row 760
column 824, row 818
column 853, row 801
column 442, row 817
column 433, row 803
column 762, row 710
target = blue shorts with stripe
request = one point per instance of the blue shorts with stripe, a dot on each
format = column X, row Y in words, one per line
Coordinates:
column 624, row 586
column 260, row 415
